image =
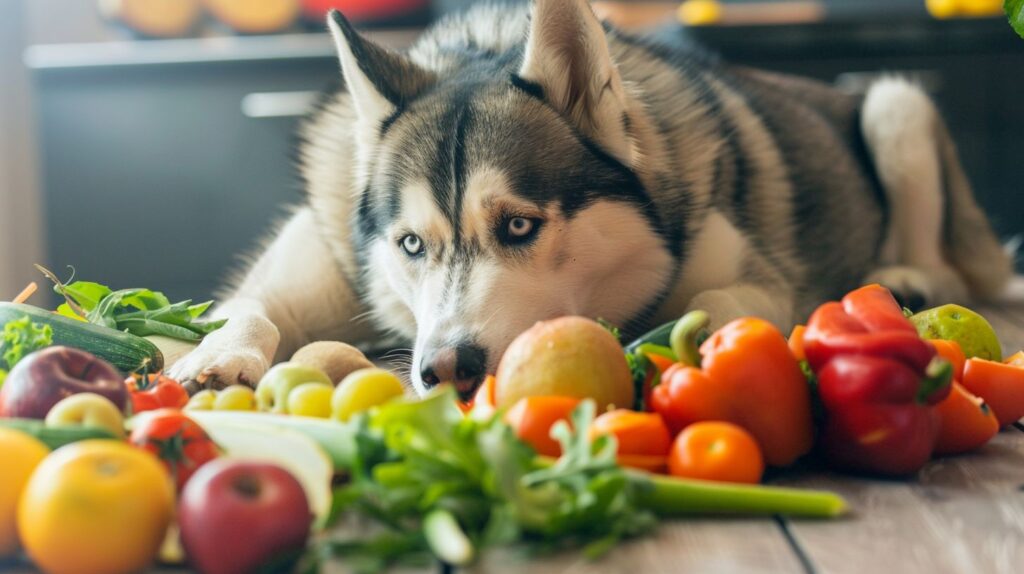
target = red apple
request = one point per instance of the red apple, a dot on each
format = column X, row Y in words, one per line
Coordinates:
column 236, row 516
column 43, row 378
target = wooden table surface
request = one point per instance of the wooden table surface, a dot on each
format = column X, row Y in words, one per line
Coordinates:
column 960, row 514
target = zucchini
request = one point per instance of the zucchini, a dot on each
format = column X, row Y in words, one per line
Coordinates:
column 660, row 336
column 127, row 352
column 55, row 436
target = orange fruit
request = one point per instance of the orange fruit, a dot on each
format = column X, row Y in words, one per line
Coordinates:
column 21, row 453
column 96, row 507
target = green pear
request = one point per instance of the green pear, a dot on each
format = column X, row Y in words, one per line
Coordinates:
column 975, row 335
column 272, row 392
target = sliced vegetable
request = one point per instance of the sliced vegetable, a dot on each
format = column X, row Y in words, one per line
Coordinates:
column 125, row 351
column 951, row 351
column 1000, row 384
column 643, row 440
column 289, row 449
column 965, row 422
column 55, row 436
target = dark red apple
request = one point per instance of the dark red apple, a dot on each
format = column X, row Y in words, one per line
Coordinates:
column 236, row 516
column 43, row 378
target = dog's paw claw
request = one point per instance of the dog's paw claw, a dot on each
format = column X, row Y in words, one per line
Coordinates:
column 217, row 369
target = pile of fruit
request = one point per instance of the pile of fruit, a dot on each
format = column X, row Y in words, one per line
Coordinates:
column 575, row 441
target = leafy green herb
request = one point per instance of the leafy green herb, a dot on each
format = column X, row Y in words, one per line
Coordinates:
column 21, row 337
column 140, row 312
column 1015, row 12
column 421, row 464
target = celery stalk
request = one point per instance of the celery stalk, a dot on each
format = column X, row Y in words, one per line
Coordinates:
column 669, row 496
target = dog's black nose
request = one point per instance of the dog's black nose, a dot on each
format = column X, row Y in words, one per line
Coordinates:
column 462, row 365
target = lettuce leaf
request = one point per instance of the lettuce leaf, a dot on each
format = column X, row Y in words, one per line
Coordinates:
column 1015, row 12
column 21, row 337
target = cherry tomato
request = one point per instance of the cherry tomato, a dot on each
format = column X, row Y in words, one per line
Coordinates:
column 175, row 439
column 715, row 450
column 533, row 417
column 965, row 422
column 643, row 439
column 154, row 392
column 951, row 351
column 1001, row 385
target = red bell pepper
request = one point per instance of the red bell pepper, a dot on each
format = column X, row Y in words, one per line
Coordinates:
column 877, row 380
column 152, row 392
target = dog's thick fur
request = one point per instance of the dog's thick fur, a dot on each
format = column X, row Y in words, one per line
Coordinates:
column 509, row 169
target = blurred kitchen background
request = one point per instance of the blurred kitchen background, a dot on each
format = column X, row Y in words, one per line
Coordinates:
column 148, row 142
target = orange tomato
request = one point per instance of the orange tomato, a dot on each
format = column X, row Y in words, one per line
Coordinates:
column 951, row 351
column 643, row 438
column 481, row 406
column 965, row 422
column 796, row 342
column 716, row 450
column 1001, row 385
column 532, row 418
column 1017, row 359
column 96, row 507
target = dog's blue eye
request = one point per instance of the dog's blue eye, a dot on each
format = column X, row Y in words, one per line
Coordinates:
column 518, row 230
column 519, row 227
column 412, row 244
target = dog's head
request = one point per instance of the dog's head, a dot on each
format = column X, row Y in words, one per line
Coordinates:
column 499, row 191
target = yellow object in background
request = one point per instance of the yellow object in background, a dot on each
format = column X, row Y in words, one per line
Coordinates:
column 944, row 9
column 700, row 12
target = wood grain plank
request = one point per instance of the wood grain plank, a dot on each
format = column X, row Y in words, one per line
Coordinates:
column 961, row 514
column 695, row 545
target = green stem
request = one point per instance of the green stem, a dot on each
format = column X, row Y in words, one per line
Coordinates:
column 660, row 350
column 684, row 337
column 938, row 374
column 446, row 538
column 670, row 496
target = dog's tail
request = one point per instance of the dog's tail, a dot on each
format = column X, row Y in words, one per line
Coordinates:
column 970, row 243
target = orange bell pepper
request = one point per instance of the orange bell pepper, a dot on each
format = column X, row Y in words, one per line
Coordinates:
column 643, row 439
column 747, row 376
column 965, row 422
column 951, row 351
column 1000, row 384
column 1017, row 359
column 796, row 342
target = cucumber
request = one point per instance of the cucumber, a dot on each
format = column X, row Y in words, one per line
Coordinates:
column 659, row 336
column 55, row 436
column 125, row 351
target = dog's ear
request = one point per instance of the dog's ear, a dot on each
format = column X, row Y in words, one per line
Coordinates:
column 378, row 79
column 567, row 55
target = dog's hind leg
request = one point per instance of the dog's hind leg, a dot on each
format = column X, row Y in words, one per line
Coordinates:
column 294, row 293
column 930, row 203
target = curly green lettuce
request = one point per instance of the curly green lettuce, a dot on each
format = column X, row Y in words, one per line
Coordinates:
column 19, row 338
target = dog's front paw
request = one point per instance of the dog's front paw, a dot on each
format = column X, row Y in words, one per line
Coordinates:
column 216, row 367
column 916, row 288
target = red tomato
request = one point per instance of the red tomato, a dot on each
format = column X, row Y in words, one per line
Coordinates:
column 1001, row 385
column 965, row 422
column 716, row 450
column 157, row 392
column 533, row 417
column 175, row 439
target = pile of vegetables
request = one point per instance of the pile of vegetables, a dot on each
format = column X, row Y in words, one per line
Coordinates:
column 574, row 442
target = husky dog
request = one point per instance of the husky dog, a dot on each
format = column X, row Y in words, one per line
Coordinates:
column 518, row 163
